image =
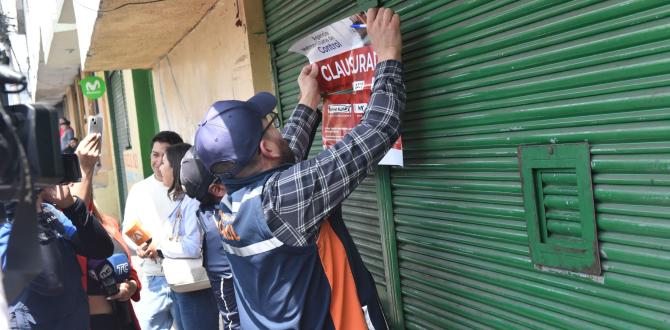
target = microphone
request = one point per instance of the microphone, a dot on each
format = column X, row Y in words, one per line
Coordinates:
column 108, row 272
column 121, row 265
column 121, row 272
column 103, row 272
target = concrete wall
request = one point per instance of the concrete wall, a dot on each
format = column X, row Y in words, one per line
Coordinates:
column 220, row 58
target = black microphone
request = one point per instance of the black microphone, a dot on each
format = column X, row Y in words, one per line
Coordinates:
column 103, row 271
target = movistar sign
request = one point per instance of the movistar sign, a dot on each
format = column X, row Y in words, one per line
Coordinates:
column 92, row 87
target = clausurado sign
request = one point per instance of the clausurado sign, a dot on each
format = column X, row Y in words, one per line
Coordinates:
column 346, row 74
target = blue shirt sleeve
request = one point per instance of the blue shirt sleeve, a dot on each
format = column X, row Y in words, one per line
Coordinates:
column 5, row 229
column 68, row 226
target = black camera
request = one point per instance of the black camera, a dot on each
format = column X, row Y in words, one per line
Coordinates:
column 36, row 128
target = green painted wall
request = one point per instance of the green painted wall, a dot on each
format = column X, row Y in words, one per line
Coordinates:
column 147, row 121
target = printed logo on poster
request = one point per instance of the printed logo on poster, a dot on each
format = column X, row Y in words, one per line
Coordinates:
column 339, row 108
column 360, row 107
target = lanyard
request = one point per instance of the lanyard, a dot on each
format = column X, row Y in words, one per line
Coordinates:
column 176, row 224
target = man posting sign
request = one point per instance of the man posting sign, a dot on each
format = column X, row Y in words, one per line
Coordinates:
column 294, row 264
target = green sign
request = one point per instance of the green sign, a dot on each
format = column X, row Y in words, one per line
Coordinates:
column 93, row 87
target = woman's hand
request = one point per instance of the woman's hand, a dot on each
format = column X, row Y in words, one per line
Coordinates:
column 126, row 290
column 147, row 251
column 88, row 153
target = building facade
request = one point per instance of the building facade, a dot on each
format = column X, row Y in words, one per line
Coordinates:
column 536, row 186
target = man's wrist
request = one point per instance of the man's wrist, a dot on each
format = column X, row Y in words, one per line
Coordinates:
column 394, row 55
column 310, row 100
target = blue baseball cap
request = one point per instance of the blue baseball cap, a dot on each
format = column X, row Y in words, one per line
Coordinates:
column 230, row 133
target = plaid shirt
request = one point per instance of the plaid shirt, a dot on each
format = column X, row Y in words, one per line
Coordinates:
column 297, row 199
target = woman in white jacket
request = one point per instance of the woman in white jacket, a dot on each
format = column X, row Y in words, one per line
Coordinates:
column 195, row 309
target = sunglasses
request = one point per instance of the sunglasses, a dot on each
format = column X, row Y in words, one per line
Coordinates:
column 273, row 120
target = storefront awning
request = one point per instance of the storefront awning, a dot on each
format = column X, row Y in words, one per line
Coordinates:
column 130, row 35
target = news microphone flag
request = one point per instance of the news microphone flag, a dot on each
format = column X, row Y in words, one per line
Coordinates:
column 121, row 265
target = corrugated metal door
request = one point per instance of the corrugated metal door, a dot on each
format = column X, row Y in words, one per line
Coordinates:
column 484, row 77
column 286, row 21
column 120, row 127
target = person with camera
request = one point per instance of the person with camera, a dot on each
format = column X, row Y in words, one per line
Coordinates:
column 108, row 300
column 55, row 299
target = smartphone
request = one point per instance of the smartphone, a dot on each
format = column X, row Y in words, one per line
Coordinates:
column 95, row 124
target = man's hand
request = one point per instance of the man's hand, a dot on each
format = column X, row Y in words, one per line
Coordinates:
column 126, row 290
column 384, row 31
column 58, row 195
column 147, row 251
column 88, row 153
column 310, row 93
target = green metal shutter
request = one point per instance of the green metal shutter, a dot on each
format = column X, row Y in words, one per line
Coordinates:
column 120, row 127
column 284, row 26
column 484, row 77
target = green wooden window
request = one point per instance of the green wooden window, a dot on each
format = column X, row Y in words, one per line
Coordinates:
column 559, row 207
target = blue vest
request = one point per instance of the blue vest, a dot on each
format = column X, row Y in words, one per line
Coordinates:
column 286, row 287
column 215, row 260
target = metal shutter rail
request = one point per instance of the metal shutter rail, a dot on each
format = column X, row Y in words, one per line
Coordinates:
column 121, row 127
column 486, row 76
column 362, row 219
